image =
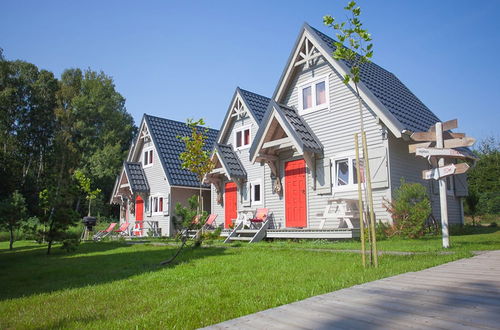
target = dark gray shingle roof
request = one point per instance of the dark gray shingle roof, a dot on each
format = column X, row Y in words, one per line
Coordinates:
column 164, row 133
column 136, row 176
column 257, row 103
column 231, row 161
column 304, row 132
column 392, row 93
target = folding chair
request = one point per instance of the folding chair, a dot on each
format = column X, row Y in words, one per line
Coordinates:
column 103, row 233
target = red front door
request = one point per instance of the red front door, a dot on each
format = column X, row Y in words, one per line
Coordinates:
column 139, row 215
column 295, row 193
column 230, row 203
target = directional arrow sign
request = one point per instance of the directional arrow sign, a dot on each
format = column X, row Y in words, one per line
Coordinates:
column 431, row 136
column 452, row 143
column 437, row 152
column 441, row 172
column 447, row 125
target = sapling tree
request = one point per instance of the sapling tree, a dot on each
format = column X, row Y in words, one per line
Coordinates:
column 84, row 185
column 196, row 157
column 354, row 47
column 13, row 213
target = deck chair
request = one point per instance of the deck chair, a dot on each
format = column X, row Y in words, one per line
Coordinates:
column 260, row 216
column 103, row 233
column 123, row 230
column 210, row 223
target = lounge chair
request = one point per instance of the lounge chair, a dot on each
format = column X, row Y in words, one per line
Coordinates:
column 210, row 223
column 260, row 217
column 123, row 230
column 103, row 233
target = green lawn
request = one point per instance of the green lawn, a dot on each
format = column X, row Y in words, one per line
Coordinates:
column 114, row 285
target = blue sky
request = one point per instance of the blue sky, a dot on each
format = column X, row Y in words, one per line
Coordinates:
column 179, row 59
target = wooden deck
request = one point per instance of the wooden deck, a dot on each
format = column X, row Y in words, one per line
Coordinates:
column 337, row 233
column 464, row 294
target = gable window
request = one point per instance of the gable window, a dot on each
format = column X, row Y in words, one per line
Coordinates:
column 242, row 138
column 314, row 95
column 345, row 172
column 148, row 158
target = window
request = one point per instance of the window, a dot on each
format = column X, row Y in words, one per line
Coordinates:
column 257, row 192
column 159, row 204
column 314, row 95
column 345, row 172
column 242, row 138
column 147, row 159
column 449, row 185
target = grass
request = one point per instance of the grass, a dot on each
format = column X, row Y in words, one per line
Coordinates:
column 115, row 285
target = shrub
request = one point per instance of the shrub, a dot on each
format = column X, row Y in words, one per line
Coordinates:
column 493, row 224
column 409, row 210
column 70, row 245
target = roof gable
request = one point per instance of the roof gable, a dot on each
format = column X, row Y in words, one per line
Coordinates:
column 253, row 104
column 386, row 95
column 164, row 133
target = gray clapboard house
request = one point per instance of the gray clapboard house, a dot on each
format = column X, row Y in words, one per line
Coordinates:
column 152, row 180
column 298, row 156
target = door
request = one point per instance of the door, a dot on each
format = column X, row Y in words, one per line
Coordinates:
column 230, row 203
column 295, row 193
column 139, row 216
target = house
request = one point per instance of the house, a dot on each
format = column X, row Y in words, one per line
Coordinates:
column 152, row 180
column 299, row 157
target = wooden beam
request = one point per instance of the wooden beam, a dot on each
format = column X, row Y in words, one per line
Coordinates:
column 444, row 171
column 266, row 157
column 447, row 125
column 431, row 136
column 436, row 152
column 280, row 143
column 451, row 143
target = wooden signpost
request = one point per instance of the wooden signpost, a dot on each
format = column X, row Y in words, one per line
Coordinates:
column 438, row 143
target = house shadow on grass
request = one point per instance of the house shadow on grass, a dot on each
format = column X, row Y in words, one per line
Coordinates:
column 29, row 272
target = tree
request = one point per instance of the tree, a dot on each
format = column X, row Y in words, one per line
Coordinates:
column 84, row 184
column 196, row 157
column 355, row 49
column 471, row 205
column 12, row 214
column 483, row 178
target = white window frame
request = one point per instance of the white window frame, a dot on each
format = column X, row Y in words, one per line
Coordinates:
column 253, row 184
column 351, row 186
column 312, row 83
column 154, row 200
column 242, row 130
column 144, row 150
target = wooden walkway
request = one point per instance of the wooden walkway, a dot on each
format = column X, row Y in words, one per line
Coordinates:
column 464, row 294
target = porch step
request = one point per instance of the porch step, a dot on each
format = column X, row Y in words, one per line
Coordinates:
column 247, row 231
column 242, row 238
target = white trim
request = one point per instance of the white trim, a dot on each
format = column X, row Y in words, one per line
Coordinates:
column 195, row 188
column 351, row 186
column 312, row 84
column 242, row 129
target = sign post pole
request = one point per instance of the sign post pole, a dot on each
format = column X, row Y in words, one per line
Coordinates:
column 442, row 189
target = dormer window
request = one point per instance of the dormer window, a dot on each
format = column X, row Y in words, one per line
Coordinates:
column 242, row 138
column 148, row 157
column 313, row 95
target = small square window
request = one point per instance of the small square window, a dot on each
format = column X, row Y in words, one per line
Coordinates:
column 246, row 134
column 242, row 138
column 307, row 98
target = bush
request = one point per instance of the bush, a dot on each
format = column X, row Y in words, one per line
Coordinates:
column 70, row 245
column 410, row 208
column 493, row 224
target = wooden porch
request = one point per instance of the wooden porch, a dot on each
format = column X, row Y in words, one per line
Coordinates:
column 290, row 233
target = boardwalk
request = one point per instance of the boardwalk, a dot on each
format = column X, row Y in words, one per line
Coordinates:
column 463, row 294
